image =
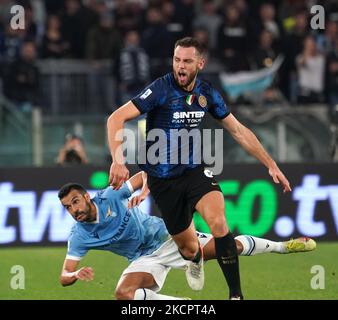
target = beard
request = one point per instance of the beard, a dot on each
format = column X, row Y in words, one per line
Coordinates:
column 84, row 215
column 184, row 79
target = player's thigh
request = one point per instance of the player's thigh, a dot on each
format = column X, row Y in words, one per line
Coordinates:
column 130, row 282
column 205, row 196
column 149, row 271
column 169, row 195
column 211, row 208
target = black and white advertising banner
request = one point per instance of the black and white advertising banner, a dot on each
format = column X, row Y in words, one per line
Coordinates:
column 31, row 214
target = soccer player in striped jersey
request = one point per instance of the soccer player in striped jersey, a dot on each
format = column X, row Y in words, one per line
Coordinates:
column 179, row 101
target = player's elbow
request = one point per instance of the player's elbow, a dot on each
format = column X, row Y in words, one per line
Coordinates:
column 117, row 117
column 62, row 281
column 112, row 119
column 65, row 282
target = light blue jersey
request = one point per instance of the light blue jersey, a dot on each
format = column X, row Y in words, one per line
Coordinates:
column 126, row 232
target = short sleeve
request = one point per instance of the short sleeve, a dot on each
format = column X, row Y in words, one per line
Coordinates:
column 218, row 109
column 123, row 193
column 76, row 250
column 151, row 97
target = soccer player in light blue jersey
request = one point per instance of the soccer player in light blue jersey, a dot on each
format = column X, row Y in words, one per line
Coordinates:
column 112, row 222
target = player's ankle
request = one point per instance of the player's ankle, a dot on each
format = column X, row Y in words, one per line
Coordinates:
column 198, row 256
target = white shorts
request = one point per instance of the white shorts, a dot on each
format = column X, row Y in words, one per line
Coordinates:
column 159, row 263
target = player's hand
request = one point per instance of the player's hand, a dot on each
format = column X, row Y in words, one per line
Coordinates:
column 85, row 274
column 278, row 177
column 135, row 201
column 117, row 175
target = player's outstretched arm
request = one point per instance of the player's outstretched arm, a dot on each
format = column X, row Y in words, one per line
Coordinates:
column 138, row 181
column 70, row 274
column 115, row 124
column 249, row 142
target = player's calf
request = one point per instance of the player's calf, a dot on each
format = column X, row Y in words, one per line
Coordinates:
column 226, row 252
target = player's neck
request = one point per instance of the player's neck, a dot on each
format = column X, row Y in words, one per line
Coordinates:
column 93, row 211
column 191, row 85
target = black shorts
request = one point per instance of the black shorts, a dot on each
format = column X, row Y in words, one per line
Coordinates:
column 177, row 197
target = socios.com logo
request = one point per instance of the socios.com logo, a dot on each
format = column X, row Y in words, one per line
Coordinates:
column 253, row 208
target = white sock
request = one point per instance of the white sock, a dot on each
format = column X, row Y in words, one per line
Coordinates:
column 253, row 245
column 147, row 294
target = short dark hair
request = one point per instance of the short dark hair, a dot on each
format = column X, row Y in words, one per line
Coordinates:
column 68, row 187
column 189, row 42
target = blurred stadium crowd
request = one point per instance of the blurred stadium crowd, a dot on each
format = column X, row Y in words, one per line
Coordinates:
column 138, row 37
column 77, row 60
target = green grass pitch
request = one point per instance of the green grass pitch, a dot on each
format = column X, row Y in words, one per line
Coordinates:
column 264, row 277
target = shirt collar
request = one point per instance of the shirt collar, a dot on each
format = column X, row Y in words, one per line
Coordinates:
column 97, row 215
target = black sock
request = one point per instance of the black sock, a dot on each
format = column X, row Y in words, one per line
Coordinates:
column 195, row 259
column 226, row 252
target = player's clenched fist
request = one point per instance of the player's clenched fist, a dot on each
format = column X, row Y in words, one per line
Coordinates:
column 117, row 175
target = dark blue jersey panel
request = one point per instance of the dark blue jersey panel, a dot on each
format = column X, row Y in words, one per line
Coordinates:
column 171, row 109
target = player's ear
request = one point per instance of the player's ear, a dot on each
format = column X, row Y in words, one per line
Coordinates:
column 201, row 63
column 87, row 196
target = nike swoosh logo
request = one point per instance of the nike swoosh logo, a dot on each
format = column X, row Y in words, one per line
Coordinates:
column 214, row 184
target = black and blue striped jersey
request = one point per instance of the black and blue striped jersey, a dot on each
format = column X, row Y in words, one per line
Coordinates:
column 170, row 109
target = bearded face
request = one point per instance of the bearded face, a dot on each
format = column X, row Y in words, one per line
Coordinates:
column 79, row 206
column 186, row 64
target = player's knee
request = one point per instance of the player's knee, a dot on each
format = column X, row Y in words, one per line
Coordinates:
column 189, row 251
column 124, row 293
